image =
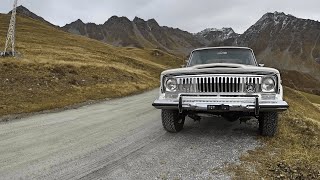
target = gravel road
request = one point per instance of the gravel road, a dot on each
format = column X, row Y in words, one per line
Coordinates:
column 119, row 139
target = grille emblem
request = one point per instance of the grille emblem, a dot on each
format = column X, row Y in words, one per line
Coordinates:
column 251, row 88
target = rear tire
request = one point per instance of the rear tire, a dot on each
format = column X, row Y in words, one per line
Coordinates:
column 172, row 121
column 268, row 123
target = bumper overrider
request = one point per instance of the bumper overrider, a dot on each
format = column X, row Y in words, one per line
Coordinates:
column 221, row 104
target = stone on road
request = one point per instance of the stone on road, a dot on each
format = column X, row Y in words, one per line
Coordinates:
column 119, row 139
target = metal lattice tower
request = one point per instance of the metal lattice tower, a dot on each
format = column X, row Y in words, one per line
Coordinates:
column 10, row 42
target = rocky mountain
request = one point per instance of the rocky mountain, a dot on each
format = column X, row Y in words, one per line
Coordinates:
column 279, row 40
column 120, row 31
column 23, row 11
column 217, row 37
column 285, row 42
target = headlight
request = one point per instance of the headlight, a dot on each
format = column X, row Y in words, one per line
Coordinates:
column 268, row 85
column 171, row 85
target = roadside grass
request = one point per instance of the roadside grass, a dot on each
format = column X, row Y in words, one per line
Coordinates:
column 301, row 81
column 312, row 98
column 294, row 152
column 55, row 69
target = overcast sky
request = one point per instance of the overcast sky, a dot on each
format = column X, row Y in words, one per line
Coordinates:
column 190, row 15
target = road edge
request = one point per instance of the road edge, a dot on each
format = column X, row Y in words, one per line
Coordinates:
column 13, row 117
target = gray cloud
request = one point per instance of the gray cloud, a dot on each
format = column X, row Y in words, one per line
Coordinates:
column 189, row 15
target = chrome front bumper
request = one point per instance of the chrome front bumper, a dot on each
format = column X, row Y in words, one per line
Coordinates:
column 240, row 104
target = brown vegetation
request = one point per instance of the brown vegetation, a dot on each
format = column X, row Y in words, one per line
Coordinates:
column 294, row 152
column 56, row 69
column 301, row 81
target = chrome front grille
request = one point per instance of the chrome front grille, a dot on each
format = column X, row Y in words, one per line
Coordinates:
column 218, row 84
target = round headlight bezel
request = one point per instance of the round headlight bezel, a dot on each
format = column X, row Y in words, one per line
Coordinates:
column 268, row 85
column 173, row 86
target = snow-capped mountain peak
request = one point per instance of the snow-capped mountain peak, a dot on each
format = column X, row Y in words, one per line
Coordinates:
column 215, row 35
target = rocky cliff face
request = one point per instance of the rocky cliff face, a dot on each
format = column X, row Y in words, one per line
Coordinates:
column 279, row 40
column 120, row 31
column 217, row 37
column 285, row 42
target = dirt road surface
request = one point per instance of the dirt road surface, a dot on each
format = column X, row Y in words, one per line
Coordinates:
column 119, row 139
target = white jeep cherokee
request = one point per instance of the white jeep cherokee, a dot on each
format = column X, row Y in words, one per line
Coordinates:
column 222, row 81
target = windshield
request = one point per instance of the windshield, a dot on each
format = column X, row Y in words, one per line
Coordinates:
column 208, row 56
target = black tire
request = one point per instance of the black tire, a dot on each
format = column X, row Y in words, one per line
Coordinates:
column 268, row 123
column 172, row 121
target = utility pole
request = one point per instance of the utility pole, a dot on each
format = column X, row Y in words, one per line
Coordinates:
column 10, row 42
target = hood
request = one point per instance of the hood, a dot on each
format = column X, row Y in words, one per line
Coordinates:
column 221, row 68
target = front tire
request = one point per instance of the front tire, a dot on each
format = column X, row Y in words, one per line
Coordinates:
column 268, row 123
column 172, row 121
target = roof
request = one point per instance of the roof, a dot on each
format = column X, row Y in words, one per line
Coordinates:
column 222, row 47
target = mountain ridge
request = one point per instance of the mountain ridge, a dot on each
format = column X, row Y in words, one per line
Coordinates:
column 279, row 40
column 217, row 37
column 120, row 31
column 23, row 11
column 285, row 42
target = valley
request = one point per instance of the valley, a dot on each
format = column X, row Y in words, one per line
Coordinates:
column 280, row 40
column 80, row 64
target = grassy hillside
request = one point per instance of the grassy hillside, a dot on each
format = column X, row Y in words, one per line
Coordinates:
column 294, row 152
column 312, row 98
column 301, row 81
column 56, row 69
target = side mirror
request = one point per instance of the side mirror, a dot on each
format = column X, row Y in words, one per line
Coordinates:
column 261, row 65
